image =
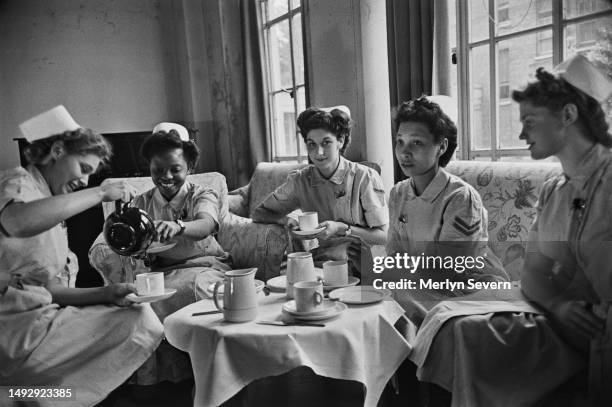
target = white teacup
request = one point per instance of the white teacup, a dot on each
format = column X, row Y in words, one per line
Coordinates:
column 150, row 283
column 335, row 272
column 308, row 295
column 308, row 220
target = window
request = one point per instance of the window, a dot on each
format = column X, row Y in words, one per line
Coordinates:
column 496, row 56
column 285, row 82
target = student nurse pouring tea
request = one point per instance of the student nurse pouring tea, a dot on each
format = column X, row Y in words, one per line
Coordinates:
column 51, row 333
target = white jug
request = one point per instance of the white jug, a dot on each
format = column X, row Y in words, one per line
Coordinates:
column 300, row 267
column 239, row 295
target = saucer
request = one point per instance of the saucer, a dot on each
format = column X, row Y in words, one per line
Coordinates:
column 157, row 247
column 351, row 282
column 337, row 309
column 364, row 294
column 326, row 307
column 259, row 285
column 308, row 232
column 169, row 292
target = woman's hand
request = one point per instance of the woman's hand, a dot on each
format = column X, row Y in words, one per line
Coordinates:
column 166, row 230
column 577, row 316
column 332, row 229
column 117, row 190
column 291, row 224
column 115, row 293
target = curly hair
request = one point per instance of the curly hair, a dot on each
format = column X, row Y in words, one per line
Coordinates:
column 162, row 142
column 336, row 122
column 554, row 93
column 80, row 141
column 422, row 110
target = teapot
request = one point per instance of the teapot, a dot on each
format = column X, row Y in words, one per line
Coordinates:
column 129, row 231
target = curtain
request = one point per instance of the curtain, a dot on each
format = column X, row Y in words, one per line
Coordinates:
column 410, row 39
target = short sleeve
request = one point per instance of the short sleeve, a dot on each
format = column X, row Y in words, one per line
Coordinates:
column 16, row 185
column 282, row 200
column 206, row 201
column 464, row 218
column 373, row 202
column 393, row 236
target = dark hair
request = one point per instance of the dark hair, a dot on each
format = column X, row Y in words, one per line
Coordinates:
column 554, row 93
column 422, row 110
column 162, row 141
column 79, row 142
column 336, row 122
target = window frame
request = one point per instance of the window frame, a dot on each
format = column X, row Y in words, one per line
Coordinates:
column 464, row 46
column 293, row 90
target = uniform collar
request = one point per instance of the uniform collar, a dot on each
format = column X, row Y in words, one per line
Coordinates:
column 592, row 160
column 40, row 180
column 176, row 202
column 435, row 187
column 337, row 178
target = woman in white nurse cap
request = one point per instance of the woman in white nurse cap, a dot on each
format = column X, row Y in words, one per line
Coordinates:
column 37, row 294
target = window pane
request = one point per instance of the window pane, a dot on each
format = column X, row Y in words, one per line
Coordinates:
column 277, row 8
column 576, row 8
column 280, row 56
column 295, row 4
column 480, row 101
column 519, row 55
column 522, row 15
column 284, row 125
column 301, row 99
column 586, row 36
column 479, row 20
column 298, row 48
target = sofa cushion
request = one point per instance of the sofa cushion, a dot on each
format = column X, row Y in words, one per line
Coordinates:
column 266, row 178
column 509, row 192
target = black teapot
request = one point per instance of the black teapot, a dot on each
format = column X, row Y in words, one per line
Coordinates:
column 129, row 231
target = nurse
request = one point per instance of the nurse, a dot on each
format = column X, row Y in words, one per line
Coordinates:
column 434, row 214
column 52, row 334
column 186, row 215
column 567, row 273
column 348, row 197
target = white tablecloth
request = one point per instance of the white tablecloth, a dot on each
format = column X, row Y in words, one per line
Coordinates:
column 361, row 345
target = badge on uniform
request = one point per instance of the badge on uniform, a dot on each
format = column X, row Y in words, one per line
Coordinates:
column 464, row 227
column 340, row 194
column 402, row 219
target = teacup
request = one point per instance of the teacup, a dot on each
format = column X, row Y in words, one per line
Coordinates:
column 150, row 283
column 308, row 295
column 308, row 221
column 335, row 272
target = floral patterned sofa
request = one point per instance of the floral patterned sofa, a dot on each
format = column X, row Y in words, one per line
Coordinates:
column 509, row 192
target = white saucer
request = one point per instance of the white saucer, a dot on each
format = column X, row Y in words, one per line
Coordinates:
column 326, row 307
column 351, row 282
column 308, row 232
column 157, row 247
column 363, row 294
column 339, row 308
column 151, row 298
column 259, row 285
column 279, row 284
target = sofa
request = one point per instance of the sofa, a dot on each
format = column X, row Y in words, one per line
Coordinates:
column 509, row 192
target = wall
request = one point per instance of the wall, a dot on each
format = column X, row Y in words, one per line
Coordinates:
column 113, row 64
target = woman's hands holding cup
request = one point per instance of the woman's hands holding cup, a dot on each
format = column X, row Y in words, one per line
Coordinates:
column 332, row 229
column 117, row 190
column 116, row 293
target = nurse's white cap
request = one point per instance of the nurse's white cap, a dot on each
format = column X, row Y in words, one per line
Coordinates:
column 167, row 126
column 582, row 74
column 447, row 104
column 49, row 123
column 343, row 108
